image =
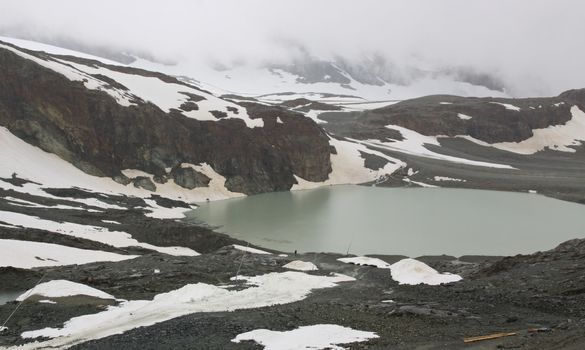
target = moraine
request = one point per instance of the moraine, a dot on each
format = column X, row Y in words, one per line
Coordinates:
column 413, row 222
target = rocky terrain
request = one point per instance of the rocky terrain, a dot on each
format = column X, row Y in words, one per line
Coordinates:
column 527, row 135
column 101, row 160
column 92, row 130
column 539, row 297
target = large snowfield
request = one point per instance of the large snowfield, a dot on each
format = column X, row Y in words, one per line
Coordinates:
column 264, row 290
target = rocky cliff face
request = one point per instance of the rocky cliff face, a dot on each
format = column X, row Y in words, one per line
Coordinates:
column 486, row 119
column 91, row 130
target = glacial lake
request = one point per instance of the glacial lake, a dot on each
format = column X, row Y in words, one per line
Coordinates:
column 6, row 297
column 402, row 221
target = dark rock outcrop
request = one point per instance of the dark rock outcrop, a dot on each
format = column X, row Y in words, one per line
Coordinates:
column 490, row 121
column 305, row 105
column 144, row 182
column 189, row 178
column 439, row 115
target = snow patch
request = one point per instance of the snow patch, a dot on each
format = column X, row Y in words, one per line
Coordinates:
column 215, row 190
column 366, row 261
column 32, row 163
column 407, row 271
column 301, row 266
column 265, row 290
column 463, row 116
column 415, row 143
column 89, row 232
column 554, row 137
column 348, row 166
column 27, row 254
column 166, row 96
column 63, row 288
column 445, row 178
column 508, row 106
column 418, row 183
column 29, row 204
column 160, row 212
column 54, row 50
column 321, row 336
column 249, row 250
column 411, row 271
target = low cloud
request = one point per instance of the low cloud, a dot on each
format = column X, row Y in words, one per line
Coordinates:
column 533, row 46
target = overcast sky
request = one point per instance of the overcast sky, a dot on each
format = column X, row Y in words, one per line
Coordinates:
column 536, row 46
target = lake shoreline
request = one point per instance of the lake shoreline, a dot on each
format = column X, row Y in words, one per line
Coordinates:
column 396, row 221
column 515, row 293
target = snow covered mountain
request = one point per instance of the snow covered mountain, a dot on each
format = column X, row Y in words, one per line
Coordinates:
column 71, row 120
column 369, row 77
column 147, row 132
column 99, row 159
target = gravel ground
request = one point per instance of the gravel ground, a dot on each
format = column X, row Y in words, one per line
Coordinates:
column 544, row 291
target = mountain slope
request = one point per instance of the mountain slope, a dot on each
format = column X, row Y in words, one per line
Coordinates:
column 106, row 119
column 534, row 145
column 155, row 133
column 371, row 77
